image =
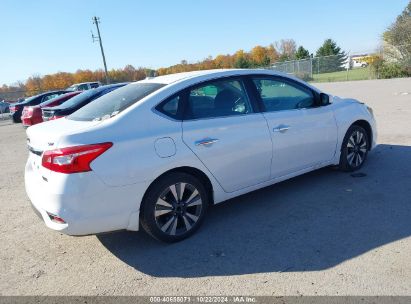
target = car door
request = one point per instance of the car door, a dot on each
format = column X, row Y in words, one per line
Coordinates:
column 303, row 133
column 223, row 130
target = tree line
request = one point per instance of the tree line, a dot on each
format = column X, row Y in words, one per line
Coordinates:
column 61, row 80
column 258, row 56
column 393, row 60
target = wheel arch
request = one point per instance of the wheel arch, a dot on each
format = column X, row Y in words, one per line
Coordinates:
column 367, row 127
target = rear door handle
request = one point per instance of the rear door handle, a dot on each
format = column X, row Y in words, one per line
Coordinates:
column 281, row 128
column 206, row 142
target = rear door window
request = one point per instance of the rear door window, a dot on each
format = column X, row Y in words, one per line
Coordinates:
column 226, row 97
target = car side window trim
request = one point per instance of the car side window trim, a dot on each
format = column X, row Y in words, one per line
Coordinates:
column 253, row 94
column 288, row 81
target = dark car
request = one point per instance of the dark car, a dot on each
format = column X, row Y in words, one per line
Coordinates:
column 78, row 101
column 4, row 107
column 17, row 109
column 32, row 114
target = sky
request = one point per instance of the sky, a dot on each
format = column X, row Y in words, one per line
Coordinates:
column 47, row 36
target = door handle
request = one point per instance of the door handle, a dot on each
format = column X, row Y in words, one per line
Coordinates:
column 281, row 128
column 206, row 142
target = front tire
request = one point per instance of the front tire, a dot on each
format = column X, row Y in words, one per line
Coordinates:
column 174, row 207
column 354, row 149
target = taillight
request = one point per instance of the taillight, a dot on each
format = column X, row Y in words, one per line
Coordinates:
column 73, row 159
column 14, row 108
column 55, row 218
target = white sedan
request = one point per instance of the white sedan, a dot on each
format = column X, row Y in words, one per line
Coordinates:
column 159, row 152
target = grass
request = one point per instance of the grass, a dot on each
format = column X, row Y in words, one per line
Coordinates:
column 354, row 74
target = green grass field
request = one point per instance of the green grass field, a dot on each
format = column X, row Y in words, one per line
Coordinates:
column 354, row 74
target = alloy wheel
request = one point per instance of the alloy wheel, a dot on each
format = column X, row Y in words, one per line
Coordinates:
column 356, row 149
column 178, row 209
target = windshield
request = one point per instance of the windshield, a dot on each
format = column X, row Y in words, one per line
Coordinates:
column 113, row 103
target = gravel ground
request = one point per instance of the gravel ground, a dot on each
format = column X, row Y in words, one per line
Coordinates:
column 324, row 233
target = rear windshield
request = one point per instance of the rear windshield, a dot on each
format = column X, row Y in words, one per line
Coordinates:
column 27, row 100
column 113, row 103
column 79, row 98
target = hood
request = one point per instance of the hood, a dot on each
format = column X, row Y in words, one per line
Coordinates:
column 338, row 100
column 45, row 136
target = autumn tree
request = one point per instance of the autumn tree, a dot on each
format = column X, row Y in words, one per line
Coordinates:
column 259, row 56
column 33, row 85
column 398, row 38
column 241, row 60
column 223, row 61
column 83, row 76
column 272, row 53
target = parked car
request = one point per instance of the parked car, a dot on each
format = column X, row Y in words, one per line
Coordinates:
column 16, row 109
column 84, row 86
column 32, row 115
column 77, row 102
column 159, row 152
column 4, row 107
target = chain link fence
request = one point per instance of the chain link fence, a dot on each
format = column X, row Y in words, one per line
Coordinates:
column 388, row 62
column 328, row 68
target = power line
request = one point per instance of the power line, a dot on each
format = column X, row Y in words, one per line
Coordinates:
column 96, row 21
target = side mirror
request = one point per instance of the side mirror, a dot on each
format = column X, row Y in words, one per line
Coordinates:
column 324, row 99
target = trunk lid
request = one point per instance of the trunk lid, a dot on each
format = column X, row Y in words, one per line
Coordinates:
column 45, row 136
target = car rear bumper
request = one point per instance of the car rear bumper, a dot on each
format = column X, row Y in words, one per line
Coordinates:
column 83, row 201
column 26, row 122
column 29, row 121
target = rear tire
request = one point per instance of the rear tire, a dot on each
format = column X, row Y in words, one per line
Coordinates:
column 174, row 207
column 354, row 149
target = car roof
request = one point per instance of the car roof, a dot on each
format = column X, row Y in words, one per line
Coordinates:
column 204, row 75
column 28, row 99
column 108, row 86
column 74, row 84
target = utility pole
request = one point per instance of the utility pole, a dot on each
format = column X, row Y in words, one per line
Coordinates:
column 96, row 21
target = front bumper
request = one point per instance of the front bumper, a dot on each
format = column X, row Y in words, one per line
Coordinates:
column 373, row 124
column 87, row 205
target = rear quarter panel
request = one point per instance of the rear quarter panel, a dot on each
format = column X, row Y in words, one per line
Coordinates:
column 133, row 159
